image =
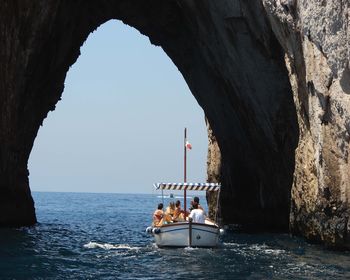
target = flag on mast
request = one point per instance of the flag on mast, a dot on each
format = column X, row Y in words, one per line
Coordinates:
column 188, row 145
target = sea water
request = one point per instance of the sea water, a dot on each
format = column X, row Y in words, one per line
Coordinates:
column 102, row 236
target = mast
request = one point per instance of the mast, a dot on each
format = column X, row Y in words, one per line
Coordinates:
column 185, row 139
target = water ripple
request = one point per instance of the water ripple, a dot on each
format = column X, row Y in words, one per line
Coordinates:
column 97, row 236
column 106, row 246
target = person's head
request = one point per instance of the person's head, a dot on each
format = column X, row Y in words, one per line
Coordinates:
column 196, row 199
column 160, row 206
column 177, row 204
column 172, row 205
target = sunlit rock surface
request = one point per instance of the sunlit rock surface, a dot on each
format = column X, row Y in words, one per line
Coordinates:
column 315, row 36
column 271, row 76
column 213, row 175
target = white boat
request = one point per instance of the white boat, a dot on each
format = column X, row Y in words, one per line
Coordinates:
column 187, row 233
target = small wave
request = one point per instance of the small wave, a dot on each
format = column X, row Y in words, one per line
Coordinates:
column 254, row 248
column 266, row 249
column 190, row 248
column 274, row 251
column 106, row 246
column 258, row 247
column 231, row 244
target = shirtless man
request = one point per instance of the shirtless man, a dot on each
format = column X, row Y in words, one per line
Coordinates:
column 196, row 201
column 178, row 213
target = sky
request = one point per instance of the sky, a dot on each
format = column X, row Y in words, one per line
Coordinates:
column 119, row 126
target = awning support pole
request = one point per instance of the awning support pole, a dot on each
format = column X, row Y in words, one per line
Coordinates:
column 185, row 136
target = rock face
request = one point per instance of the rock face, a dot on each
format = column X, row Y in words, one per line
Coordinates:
column 315, row 36
column 213, row 174
column 271, row 76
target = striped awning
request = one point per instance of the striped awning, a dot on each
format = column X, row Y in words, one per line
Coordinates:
column 188, row 186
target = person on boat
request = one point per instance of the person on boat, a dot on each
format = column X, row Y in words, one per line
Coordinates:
column 158, row 215
column 191, row 206
column 197, row 215
column 178, row 213
column 170, row 209
column 196, row 201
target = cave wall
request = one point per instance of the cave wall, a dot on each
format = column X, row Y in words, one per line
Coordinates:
column 36, row 50
column 315, row 36
column 262, row 71
column 213, row 175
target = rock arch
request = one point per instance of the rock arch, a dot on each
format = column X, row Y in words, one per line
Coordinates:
column 224, row 56
column 242, row 60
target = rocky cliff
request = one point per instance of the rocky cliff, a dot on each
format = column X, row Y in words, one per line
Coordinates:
column 272, row 77
column 315, row 37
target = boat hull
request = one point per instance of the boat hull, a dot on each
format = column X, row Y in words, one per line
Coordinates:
column 184, row 234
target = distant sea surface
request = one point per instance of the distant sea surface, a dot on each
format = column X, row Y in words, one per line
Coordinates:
column 102, row 236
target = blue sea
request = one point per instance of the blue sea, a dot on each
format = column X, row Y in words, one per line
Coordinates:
column 102, row 236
